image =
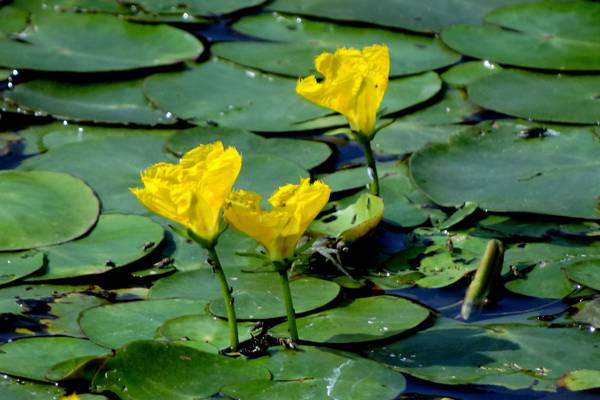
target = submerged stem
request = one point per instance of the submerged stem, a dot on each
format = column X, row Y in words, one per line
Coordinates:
column 371, row 166
column 227, row 298
column 289, row 305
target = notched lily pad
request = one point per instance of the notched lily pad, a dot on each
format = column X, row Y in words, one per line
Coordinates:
column 204, row 8
column 116, row 241
column 55, row 41
column 14, row 266
column 288, row 45
column 41, row 208
column 360, row 320
column 146, row 370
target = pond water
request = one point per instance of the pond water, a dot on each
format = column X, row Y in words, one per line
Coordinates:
column 494, row 136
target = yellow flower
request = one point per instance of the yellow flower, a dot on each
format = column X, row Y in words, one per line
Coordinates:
column 73, row 396
column 354, row 85
column 194, row 191
column 294, row 207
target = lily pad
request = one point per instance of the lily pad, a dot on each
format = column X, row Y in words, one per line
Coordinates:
column 305, row 153
column 550, row 97
column 94, row 42
column 537, row 227
column 541, row 267
column 586, row 272
column 205, row 8
column 523, row 177
column 13, row 389
column 15, row 299
column 259, row 295
column 66, row 310
column 581, row 379
column 314, row 373
column 41, row 208
column 115, row 325
column 259, row 102
column 146, row 370
column 14, row 266
column 116, row 241
column 12, row 20
column 449, row 107
column 466, row 73
column 121, row 102
column 589, row 313
column 120, row 158
column 430, row 16
column 352, row 222
column 262, row 165
column 404, row 138
column 203, row 328
column 288, row 45
column 549, row 35
column 32, row 358
column 514, row 356
column 360, row 320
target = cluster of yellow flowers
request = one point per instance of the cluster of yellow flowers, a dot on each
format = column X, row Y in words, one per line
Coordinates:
column 198, row 190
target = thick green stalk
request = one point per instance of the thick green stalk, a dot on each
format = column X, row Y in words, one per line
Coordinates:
column 371, row 165
column 289, row 305
column 227, row 298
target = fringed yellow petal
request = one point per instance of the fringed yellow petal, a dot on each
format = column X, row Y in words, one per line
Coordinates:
column 294, row 207
column 193, row 192
column 354, row 85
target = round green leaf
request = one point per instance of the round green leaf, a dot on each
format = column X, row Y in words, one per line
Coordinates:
column 66, row 310
column 589, row 313
column 206, row 8
column 203, row 328
column 12, row 389
column 14, row 299
column 116, row 241
column 466, row 73
column 288, row 45
column 121, row 102
column 346, row 179
column 56, row 41
column 110, row 165
column 429, row 16
column 513, row 356
column 586, row 272
column 314, row 373
column 264, row 173
column 259, row 295
column 581, row 379
column 523, row 177
column 361, row 320
column 40, row 208
column 305, row 153
column 32, row 358
column 557, row 98
column 12, row 20
column 549, row 35
column 147, row 370
column 115, row 325
column 14, row 266
column 403, row 138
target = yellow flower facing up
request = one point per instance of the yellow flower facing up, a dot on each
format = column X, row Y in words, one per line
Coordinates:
column 354, row 85
column 294, row 207
column 193, row 192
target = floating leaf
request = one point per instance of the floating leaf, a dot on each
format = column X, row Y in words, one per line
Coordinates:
column 523, row 177
column 146, row 370
column 550, row 97
column 66, row 310
column 259, row 296
column 549, row 35
column 581, row 379
column 115, row 325
column 585, row 272
column 431, row 16
column 466, row 73
column 589, row 313
column 16, row 299
column 12, row 20
column 42, row 208
column 288, row 45
column 32, row 358
column 206, row 8
column 94, row 42
column 346, row 179
column 14, row 266
column 318, row 374
column 13, row 389
column 360, row 320
column 116, row 241
column 120, row 102
column 514, row 356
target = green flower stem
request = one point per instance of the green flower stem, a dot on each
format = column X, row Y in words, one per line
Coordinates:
column 371, row 165
column 289, row 305
column 226, row 292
